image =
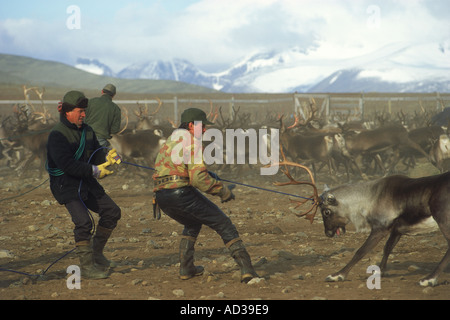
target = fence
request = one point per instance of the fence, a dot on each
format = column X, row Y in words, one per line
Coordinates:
column 356, row 105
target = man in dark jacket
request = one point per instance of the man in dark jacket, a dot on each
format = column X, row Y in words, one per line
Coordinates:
column 74, row 164
column 103, row 115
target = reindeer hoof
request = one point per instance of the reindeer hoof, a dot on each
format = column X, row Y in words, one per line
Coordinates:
column 428, row 282
column 335, row 278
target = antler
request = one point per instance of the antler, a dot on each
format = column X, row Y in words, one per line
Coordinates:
column 173, row 124
column 311, row 213
column 160, row 103
column 124, row 112
column 143, row 111
column 296, row 122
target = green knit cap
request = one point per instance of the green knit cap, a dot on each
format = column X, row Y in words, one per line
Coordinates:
column 194, row 114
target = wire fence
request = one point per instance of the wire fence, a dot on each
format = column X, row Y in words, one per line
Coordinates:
column 356, row 104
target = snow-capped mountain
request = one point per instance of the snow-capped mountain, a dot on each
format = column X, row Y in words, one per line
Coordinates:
column 398, row 67
column 175, row 69
column 94, row 66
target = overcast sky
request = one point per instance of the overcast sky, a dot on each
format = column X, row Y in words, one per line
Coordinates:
column 212, row 33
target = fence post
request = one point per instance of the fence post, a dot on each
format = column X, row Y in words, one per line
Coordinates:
column 438, row 97
column 361, row 105
column 296, row 104
column 231, row 110
column 175, row 109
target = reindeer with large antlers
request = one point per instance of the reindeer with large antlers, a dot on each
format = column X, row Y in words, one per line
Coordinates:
column 310, row 147
column 146, row 121
column 31, row 130
column 37, row 120
column 394, row 205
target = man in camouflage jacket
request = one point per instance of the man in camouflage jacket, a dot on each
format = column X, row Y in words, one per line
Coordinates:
column 180, row 174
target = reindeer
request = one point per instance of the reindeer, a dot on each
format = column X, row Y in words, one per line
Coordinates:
column 148, row 121
column 312, row 148
column 424, row 137
column 5, row 140
column 143, row 144
column 31, row 131
column 371, row 143
column 36, row 120
column 36, row 144
column 392, row 205
column 236, row 123
column 440, row 152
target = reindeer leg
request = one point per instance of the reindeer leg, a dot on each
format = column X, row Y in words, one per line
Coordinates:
column 24, row 164
column 373, row 239
column 390, row 244
column 431, row 279
column 362, row 174
column 380, row 163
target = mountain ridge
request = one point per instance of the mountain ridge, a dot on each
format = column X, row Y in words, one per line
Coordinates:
column 20, row 70
column 402, row 67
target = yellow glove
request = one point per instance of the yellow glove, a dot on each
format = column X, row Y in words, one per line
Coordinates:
column 100, row 171
column 112, row 157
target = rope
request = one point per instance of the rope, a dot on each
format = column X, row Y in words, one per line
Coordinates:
column 22, row 194
column 43, row 272
column 264, row 189
column 233, row 182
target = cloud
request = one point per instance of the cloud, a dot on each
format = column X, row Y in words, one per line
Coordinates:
column 217, row 32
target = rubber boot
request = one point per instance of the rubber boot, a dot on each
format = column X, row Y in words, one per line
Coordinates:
column 242, row 258
column 98, row 244
column 87, row 266
column 187, row 268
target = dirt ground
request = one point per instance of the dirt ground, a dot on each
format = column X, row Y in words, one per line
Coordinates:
column 292, row 256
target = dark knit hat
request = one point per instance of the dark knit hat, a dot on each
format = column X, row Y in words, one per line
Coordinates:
column 194, row 114
column 72, row 100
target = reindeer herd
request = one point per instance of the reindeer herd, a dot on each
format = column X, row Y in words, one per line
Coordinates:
column 348, row 149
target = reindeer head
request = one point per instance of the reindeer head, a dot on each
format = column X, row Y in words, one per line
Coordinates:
column 333, row 222
column 316, row 201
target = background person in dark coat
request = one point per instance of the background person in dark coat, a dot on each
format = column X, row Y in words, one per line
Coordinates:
column 74, row 163
column 104, row 116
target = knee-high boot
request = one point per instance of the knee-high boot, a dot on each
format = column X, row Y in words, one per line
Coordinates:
column 187, row 268
column 98, row 244
column 242, row 258
column 87, row 266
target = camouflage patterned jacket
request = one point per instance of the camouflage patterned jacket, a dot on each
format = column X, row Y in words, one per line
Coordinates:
column 186, row 162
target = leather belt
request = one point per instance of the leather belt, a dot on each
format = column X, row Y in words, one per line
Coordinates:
column 167, row 179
